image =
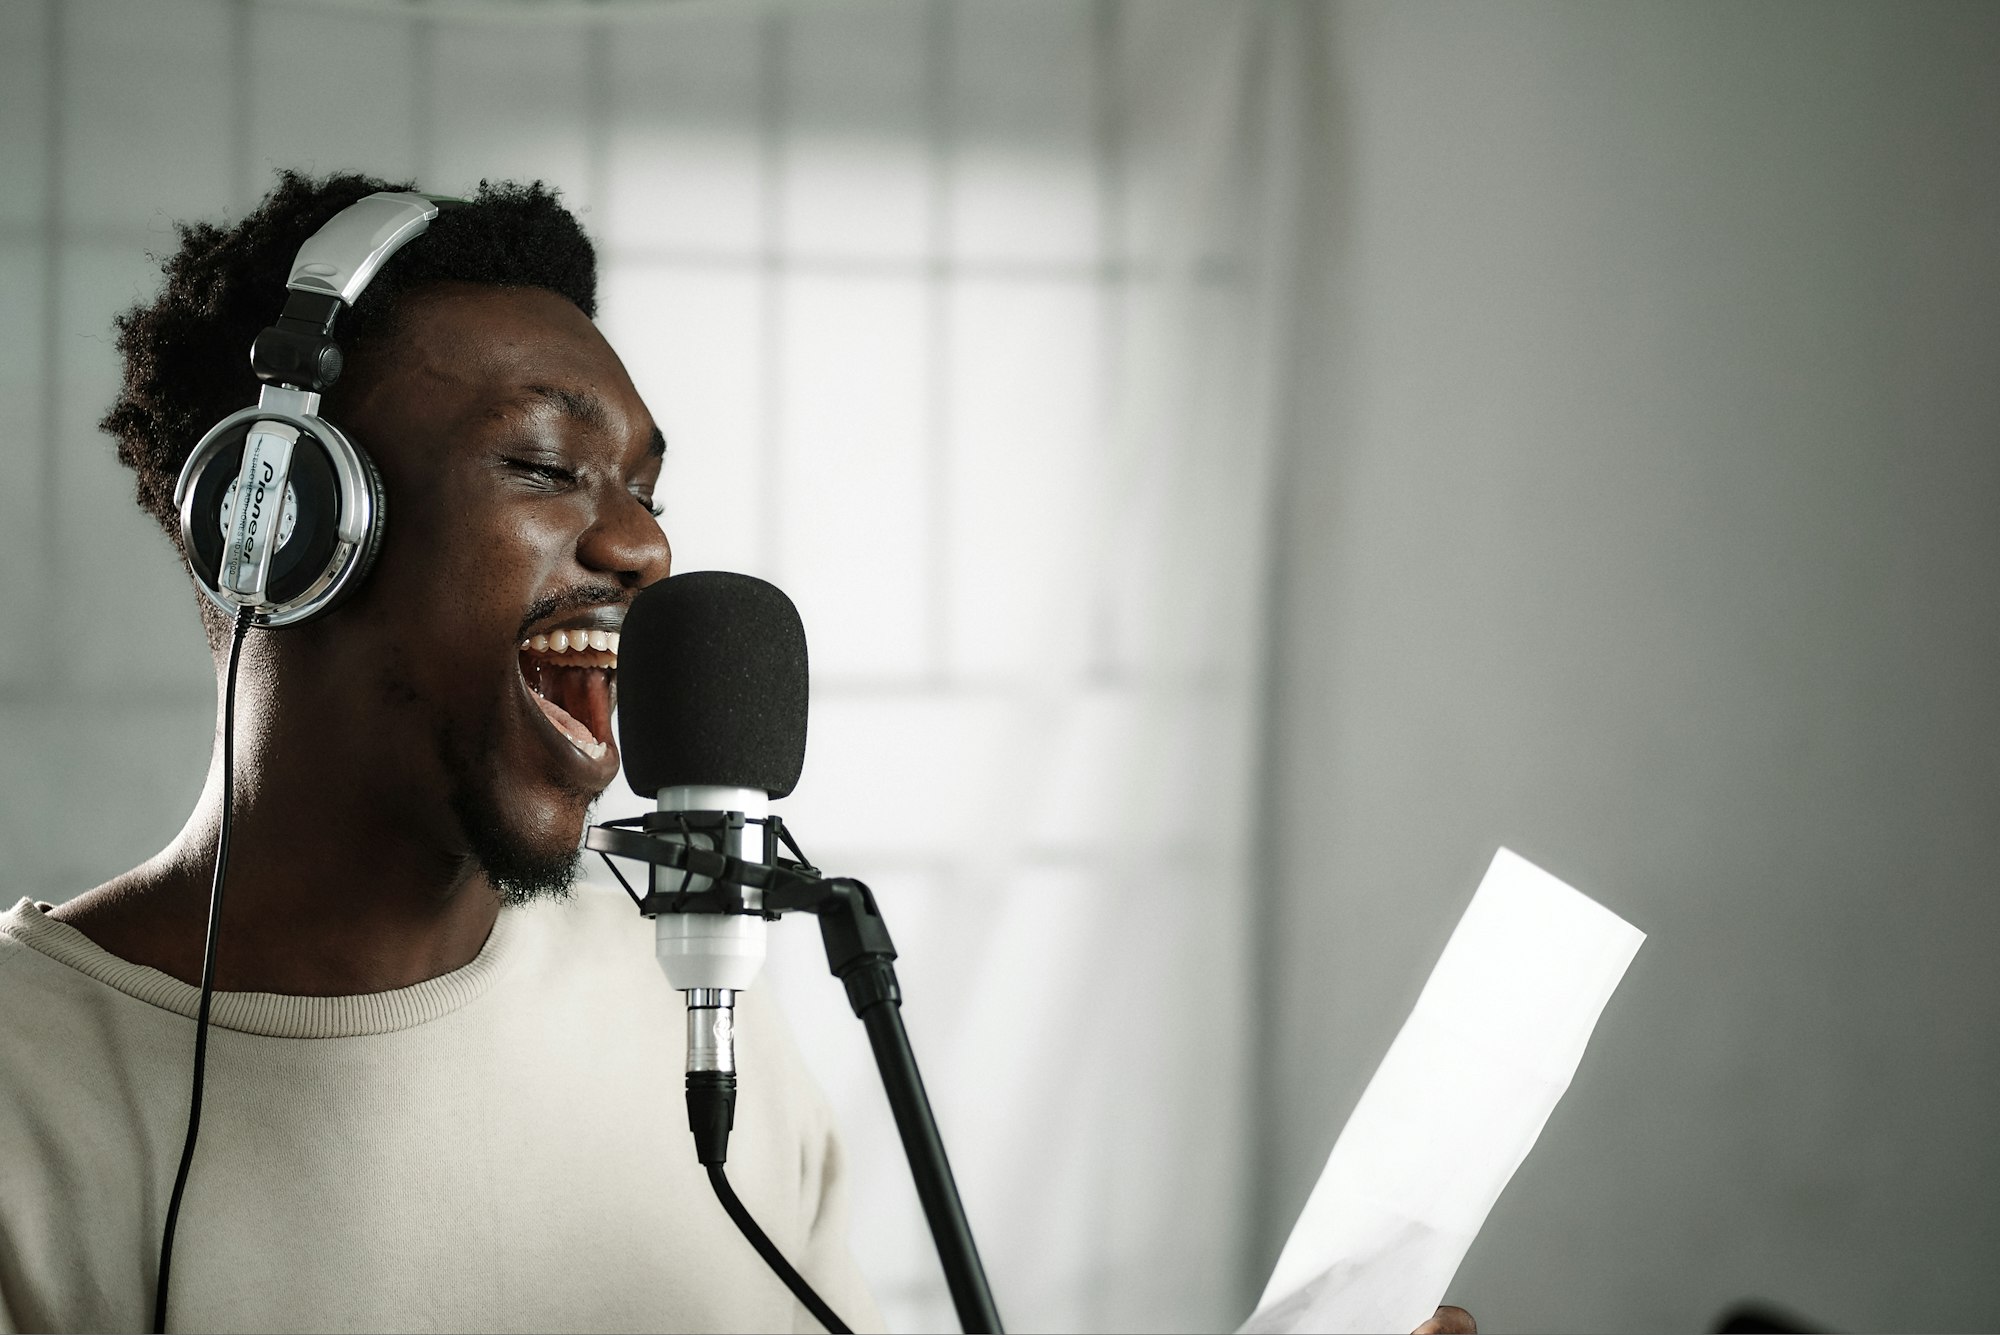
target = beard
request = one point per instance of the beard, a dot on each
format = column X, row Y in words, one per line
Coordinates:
column 520, row 873
column 520, row 868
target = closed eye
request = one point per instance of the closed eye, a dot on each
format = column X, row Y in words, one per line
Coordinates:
column 552, row 477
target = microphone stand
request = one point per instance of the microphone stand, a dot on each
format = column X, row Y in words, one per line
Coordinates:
column 860, row 955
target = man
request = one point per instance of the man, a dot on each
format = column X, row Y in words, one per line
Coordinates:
column 444, row 1088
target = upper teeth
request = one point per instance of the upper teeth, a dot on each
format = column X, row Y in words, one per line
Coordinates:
column 567, row 641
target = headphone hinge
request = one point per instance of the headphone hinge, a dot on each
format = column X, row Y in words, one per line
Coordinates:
column 291, row 402
column 309, row 361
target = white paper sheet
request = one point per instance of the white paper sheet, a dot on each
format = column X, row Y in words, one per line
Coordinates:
column 1454, row 1108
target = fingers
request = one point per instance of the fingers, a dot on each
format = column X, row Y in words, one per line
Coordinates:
column 1449, row 1321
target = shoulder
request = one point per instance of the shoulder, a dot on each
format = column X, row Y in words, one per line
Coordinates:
column 14, row 949
column 88, row 1078
column 43, row 963
column 61, row 1001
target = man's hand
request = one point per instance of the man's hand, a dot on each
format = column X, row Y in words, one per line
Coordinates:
column 1449, row 1321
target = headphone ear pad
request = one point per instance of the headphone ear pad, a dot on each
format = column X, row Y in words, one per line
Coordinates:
column 371, row 543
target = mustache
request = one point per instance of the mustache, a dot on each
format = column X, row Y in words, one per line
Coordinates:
column 575, row 599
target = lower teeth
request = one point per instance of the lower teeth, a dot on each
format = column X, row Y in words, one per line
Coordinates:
column 570, row 726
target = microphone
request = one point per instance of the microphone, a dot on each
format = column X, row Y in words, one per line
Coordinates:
column 712, row 724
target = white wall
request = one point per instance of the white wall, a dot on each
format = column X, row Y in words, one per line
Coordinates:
column 1644, row 515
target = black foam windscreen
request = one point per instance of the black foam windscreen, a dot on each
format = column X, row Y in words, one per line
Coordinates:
column 712, row 685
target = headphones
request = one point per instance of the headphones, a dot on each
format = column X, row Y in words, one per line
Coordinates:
column 281, row 514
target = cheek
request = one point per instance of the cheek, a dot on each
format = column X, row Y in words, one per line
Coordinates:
column 497, row 554
column 469, row 554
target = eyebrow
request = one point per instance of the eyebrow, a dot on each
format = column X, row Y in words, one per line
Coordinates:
column 590, row 410
column 585, row 408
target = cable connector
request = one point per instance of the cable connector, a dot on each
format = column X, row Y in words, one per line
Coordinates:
column 711, row 1071
column 711, row 1100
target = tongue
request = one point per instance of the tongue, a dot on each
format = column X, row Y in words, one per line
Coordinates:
column 567, row 725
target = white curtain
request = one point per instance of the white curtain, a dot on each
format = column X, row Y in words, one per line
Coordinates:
column 1019, row 487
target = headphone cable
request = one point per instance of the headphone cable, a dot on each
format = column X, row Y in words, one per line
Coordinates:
column 242, row 625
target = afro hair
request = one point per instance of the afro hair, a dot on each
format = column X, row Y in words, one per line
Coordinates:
column 187, row 354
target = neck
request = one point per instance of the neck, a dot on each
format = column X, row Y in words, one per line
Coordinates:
column 333, row 888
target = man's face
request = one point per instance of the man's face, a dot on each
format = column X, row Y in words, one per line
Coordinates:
column 520, row 465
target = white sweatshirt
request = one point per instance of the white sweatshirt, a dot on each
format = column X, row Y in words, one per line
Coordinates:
column 501, row 1148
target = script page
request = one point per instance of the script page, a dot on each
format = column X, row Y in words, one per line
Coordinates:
column 1503, row 1021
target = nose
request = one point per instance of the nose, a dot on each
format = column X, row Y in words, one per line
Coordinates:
column 626, row 543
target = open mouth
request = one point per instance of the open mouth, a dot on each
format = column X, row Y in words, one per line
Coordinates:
column 572, row 675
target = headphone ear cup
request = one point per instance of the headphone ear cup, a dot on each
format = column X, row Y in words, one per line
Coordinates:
column 331, row 525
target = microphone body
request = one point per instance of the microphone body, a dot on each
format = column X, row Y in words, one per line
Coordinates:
column 712, row 950
column 710, row 957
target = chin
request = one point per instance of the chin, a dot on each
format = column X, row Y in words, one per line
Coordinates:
column 528, row 850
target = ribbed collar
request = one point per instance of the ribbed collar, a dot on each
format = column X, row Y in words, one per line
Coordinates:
column 271, row 1014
